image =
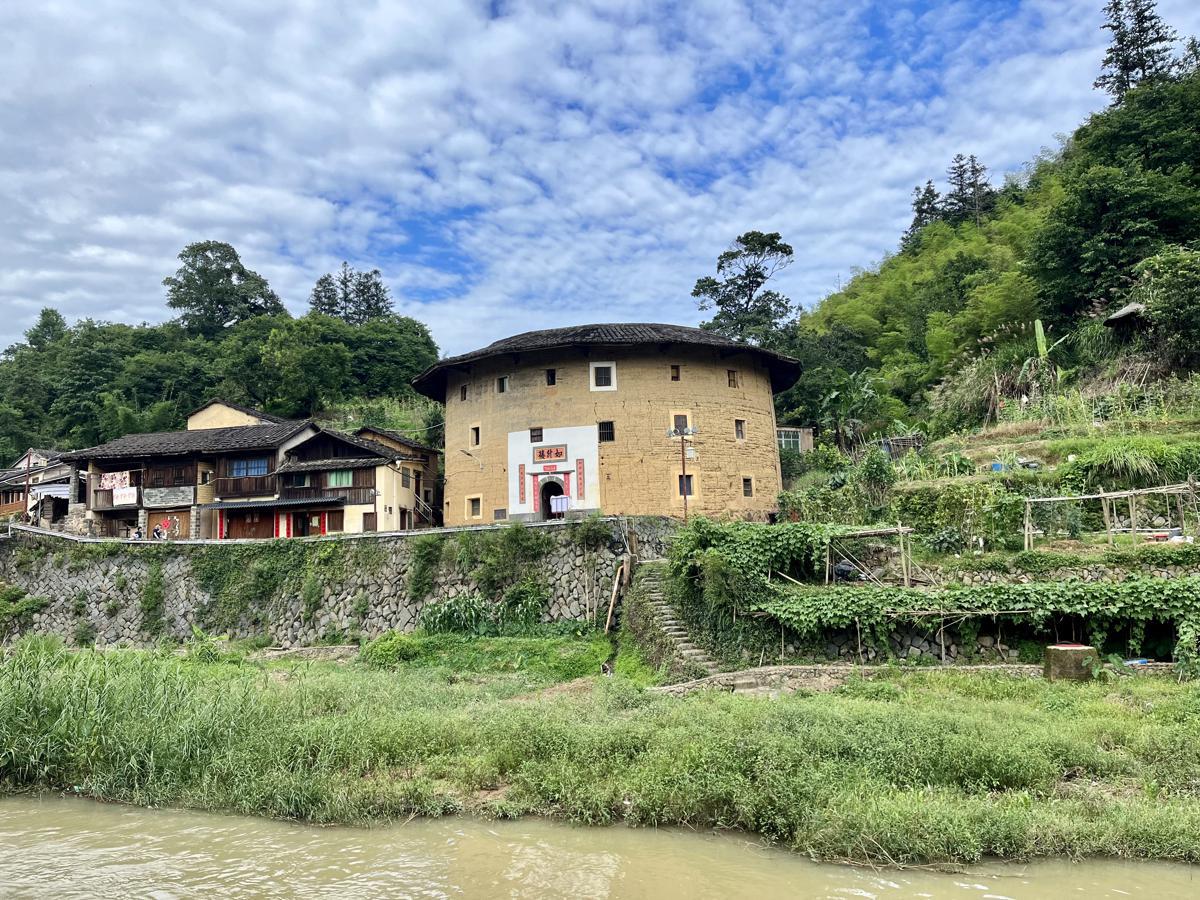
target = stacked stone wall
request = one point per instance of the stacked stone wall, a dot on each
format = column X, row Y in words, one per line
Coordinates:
column 99, row 590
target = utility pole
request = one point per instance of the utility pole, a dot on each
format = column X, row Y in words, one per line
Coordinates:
column 683, row 434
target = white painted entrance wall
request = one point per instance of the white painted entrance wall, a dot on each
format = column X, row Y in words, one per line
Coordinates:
column 583, row 446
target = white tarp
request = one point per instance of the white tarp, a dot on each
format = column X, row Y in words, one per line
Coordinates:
column 125, row 496
column 51, row 490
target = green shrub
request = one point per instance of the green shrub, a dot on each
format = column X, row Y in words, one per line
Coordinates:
column 390, row 649
column 590, row 533
column 84, row 633
column 154, row 593
column 424, row 564
column 17, row 609
column 311, row 593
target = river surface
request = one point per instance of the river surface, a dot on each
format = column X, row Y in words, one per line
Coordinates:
column 65, row 848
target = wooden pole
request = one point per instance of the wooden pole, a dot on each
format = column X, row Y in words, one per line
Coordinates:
column 1132, row 518
column 828, row 561
column 903, row 556
column 1107, row 519
column 1028, row 525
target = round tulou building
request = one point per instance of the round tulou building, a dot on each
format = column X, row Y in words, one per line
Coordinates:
column 624, row 419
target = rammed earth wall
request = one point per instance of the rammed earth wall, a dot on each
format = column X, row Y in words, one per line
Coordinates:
column 300, row 592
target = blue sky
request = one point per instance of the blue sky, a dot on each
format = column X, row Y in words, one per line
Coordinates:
column 507, row 165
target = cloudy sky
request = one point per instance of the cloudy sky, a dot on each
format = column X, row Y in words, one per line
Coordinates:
column 507, row 165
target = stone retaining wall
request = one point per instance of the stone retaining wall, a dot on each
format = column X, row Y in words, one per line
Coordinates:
column 106, row 591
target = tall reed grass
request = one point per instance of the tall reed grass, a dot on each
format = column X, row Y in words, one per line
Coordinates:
column 923, row 767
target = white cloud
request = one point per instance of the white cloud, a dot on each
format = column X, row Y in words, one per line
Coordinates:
column 561, row 162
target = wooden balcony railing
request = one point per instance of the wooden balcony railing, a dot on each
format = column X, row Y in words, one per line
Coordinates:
column 247, row 486
column 102, row 498
column 352, row 495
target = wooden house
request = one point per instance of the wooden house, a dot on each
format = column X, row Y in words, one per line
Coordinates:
column 237, row 473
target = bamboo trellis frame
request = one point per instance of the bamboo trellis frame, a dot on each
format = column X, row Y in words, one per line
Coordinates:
column 1108, row 500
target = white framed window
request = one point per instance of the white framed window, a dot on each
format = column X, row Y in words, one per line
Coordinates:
column 798, row 439
column 502, row 384
column 602, row 376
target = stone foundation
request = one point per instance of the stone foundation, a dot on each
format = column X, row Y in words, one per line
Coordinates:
column 98, row 590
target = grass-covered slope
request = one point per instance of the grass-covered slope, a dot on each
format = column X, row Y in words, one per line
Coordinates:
column 920, row 767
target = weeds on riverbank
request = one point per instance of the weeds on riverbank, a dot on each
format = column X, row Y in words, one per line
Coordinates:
column 917, row 767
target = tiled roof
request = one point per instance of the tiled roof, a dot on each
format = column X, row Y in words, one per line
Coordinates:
column 324, row 500
column 182, row 443
column 322, row 465
column 397, row 437
column 432, row 382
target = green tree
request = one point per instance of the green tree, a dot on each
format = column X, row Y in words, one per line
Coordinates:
column 1169, row 286
column 745, row 309
column 1109, row 220
column 49, row 328
column 1140, row 46
column 352, row 296
column 213, row 289
column 927, row 208
column 309, row 366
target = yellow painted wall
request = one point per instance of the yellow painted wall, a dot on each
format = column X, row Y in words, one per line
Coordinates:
column 639, row 470
column 220, row 416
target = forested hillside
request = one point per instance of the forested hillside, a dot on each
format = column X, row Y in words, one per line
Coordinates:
column 943, row 334
column 68, row 386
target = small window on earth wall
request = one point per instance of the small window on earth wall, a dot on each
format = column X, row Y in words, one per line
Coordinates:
column 476, row 507
column 474, row 435
column 535, row 435
column 462, row 392
column 502, row 384
column 732, row 375
column 674, row 373
column 551, row 377
column 685, row 485
column 747, row 487
column 608, row 432
column 603, row 376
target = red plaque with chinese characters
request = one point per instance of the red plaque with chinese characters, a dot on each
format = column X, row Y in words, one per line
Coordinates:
column 556, row 453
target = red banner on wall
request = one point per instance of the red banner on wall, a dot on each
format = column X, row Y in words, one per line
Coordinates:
column 521, row 482
column 579, row 490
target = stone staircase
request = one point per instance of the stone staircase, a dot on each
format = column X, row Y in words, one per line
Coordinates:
column 651, row 575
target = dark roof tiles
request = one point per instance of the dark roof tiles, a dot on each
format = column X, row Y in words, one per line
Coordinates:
column 181, row 443
column 784, row 369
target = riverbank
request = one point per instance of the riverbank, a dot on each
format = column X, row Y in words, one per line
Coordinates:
column 911, row 766
column 64, row 847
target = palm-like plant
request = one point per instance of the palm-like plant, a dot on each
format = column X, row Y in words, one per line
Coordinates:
column 845, row 409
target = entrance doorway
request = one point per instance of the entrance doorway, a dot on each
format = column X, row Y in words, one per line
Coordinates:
column 550, row 488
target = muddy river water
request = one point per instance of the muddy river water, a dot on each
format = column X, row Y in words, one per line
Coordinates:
column 63, row 848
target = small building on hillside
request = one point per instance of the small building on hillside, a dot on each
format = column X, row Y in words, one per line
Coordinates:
column 625, row 419
column 236, row 472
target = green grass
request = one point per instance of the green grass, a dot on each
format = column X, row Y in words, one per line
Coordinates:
column 919, row 766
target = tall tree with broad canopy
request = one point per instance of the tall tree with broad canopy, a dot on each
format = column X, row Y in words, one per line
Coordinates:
column 746, row 311
column 214, row 290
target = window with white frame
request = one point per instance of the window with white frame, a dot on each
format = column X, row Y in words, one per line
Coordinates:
column 603, row 376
